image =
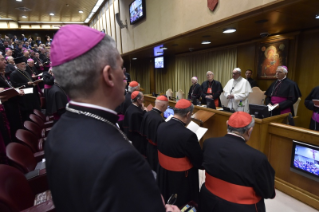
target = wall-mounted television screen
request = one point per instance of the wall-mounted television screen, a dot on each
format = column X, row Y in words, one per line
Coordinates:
column 137, row 11
column 305, row 160
column 169, row 111
column 159, row 62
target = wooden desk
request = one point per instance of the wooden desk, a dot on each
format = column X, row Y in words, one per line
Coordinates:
column 280, row 148
column 217, row 125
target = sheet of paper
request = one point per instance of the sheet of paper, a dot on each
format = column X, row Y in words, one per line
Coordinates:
column 27, row 90
column 195, row 128
column 271, row 107
column 168, row 118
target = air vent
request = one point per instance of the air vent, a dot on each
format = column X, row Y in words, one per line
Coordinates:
column 23, row 9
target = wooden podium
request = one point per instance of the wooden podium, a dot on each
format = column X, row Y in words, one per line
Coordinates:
column 202, row 116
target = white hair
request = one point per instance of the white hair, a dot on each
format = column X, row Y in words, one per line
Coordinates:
column 283, row 68
column 9, row 58
column 238, row 70
column 132, row 89
column 195, row 78
column 209, row 72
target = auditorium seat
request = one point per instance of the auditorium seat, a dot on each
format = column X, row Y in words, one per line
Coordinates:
column 42, row 116
column 257, row 97
column 296, row 105
column 36, row 119
column 16, row 194
column 35, row 129
column 180, row 94
column 21, row 157
column 169, row 93
column 29, row 139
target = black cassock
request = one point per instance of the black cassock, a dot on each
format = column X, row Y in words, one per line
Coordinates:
column 150, row 123
column 314, row 94
column 56, row 100
column 28, row 102
column 121, row 109
column 12, row 111
column 286, row 89
column 9, row 69
column 230, row 159
column 216, row 88
column 176, row 141
column 194, row 91
column 252, row 82
column 132, row 125
column 91, row 167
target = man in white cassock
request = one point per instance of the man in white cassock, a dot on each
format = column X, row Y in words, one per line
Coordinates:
column 237, row 91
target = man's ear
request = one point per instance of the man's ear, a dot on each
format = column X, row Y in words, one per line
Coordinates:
column 108, row 76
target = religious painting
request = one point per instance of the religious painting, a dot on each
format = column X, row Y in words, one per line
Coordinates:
column 270, row 56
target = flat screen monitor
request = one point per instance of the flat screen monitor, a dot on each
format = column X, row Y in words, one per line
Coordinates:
column 159, row 62
column 259, row 111
column 305, row 160
column 137, row 11
column 169, row 111
column 195, row 100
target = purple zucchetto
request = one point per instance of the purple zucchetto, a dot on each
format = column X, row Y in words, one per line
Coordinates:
column 71, row 41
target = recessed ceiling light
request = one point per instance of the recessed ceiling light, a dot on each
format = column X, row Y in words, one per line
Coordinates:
column 80, row 11
column 206, row 42
column 229, row 30
column 18, row 0
column 52, row 14
column 24, row 16
column 317, row 16
column 134, row 58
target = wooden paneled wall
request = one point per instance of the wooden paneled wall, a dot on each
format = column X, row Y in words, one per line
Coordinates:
column 280, row 149
column 303, row 66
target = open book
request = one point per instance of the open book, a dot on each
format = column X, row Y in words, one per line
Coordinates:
column 149, row 107
column 195, row 128
column 9, row 93
column 37, row 81
column 272, row 107
column 27, row 90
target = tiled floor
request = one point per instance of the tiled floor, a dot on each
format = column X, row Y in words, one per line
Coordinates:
column 285, row 203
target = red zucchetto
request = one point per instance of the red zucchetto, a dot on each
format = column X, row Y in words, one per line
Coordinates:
column 162, row 98
column 134, row 94
column 239, row 120
column 182, row 104
column 133, row 84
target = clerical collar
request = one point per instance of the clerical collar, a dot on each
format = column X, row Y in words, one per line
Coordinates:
column 92, row 106
column 176, row 119
column 239, row 136
column 157, row 110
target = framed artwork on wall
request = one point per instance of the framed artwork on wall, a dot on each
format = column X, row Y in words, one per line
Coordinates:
column 270, row 56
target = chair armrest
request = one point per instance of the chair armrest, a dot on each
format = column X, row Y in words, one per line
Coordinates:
column 39, row 156
column 43, row 207
column 39, row 183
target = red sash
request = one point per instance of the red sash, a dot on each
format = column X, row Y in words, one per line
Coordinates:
column 174, row 164
column 231, row 192
column 277, row 99
column 151, row 142
column 216, row 101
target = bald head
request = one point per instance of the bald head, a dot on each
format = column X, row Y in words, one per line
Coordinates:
column 161, row 105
